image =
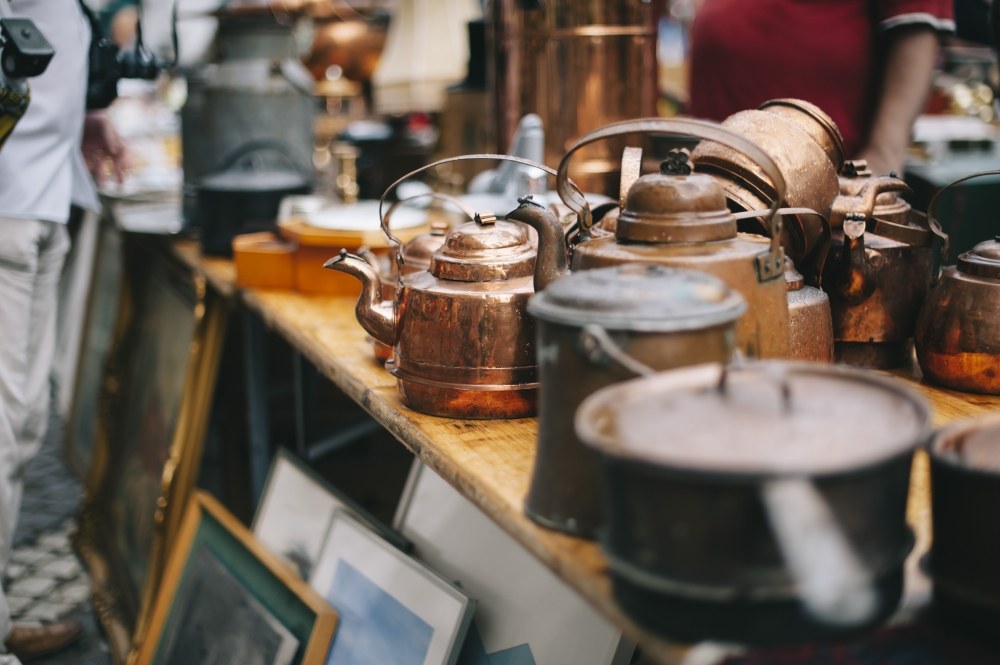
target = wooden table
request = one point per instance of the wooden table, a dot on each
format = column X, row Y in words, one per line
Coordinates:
column 490, row 462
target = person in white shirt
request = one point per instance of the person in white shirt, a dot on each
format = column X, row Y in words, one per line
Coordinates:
column 42, row 174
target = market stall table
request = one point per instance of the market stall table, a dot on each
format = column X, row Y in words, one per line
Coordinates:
column 490, row 462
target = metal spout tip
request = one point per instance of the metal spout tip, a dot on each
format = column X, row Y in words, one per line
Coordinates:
column 330, row 263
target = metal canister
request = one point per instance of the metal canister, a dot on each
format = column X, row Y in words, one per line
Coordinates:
column 810, row 322
column 661, row 317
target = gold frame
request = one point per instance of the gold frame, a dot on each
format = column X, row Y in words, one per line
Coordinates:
column 122, row 610
column 200, row 504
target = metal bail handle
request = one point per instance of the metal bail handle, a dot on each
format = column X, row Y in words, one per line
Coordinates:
column 771, row 264
column 932, row 219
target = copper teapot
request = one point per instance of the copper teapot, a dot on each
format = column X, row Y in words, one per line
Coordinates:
column 880, row 267
column 463, row 342
column 676, row 218
column 957, row 335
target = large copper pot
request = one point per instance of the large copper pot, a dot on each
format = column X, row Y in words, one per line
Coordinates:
column 463, row 343
column 662, row 317
column 808, row 149
column 958, row 334
column 880, row 268
column 680, row 219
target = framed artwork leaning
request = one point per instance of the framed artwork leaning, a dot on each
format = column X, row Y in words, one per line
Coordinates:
column 225, row 598
column 296, row 509
column 392, row 608
column 525, row 614
column 158, row 386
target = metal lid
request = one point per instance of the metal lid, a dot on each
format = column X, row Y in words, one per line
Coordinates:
column 769, row 418
column 418, row 252
column 639, row 297
column 814, row 121
column 675, row 205
column 983, row 260
column 485, row 250
column 794, row 280
column 246, row 180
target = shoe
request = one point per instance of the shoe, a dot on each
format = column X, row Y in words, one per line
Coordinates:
column 30, row 641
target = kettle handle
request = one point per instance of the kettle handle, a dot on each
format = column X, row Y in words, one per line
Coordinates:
column 260, row 145
column 771, row 264
column 932, row 220
column 570, row 186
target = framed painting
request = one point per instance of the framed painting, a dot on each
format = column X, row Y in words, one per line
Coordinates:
column 150, row 432
column 392, row 608
column 296, row 509
column 525, row 615
column 226, row 599
column 100, row 315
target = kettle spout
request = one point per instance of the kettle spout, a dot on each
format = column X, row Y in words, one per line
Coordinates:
column 856, row 280
column 375, row 315
column 551, row 262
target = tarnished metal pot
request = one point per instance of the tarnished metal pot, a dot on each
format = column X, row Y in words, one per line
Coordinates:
column 965, row 479
column 958, row 332
column 880, row 268
column 810, row 323
column 764, row 503
column 662, row 317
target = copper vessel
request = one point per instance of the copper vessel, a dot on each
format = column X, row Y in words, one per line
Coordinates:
column 578, row 64
column 808, row 149
column 958, row 332
column 662, row 317
column 463, row 342
column 880, row 268
column 679, row 219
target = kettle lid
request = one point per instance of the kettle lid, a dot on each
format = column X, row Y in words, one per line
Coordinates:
column 983, row 260
column 675, row 205
column 639, row 297
column 485, row 250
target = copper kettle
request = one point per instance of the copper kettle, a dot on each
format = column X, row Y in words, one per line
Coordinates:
column 957, row 336
column 808, row 149
column 463, row 342
column 880, row 268
column 676, row 218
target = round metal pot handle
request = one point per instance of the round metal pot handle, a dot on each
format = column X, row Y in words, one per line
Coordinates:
column 771, row 264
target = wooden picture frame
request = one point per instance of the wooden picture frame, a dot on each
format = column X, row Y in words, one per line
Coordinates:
column 296, row 509
column 392, row 608
column 153, row 415
column 224, row 592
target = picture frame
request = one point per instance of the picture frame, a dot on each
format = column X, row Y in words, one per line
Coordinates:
column 296, row 509
column 392, row 608
column 98, row 332
column 225, row 598
column 525, row 614
column 152, row 418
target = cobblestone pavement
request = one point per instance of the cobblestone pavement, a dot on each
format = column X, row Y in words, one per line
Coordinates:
column 44, row 580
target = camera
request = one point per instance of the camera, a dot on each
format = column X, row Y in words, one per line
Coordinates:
column 24, row 51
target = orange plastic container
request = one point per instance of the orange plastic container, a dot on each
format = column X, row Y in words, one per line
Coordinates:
column 264, row 260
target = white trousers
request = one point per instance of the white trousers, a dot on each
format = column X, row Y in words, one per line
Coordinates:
column 31, row 260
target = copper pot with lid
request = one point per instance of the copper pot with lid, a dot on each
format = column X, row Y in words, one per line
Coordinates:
column 808, row 149
column 463, row 343
column 880, row 268
column 760, row 503
column 663, row 317
column 676, row 218
column 957, row 335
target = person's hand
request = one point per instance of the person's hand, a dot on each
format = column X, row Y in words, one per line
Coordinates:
column 103, row 149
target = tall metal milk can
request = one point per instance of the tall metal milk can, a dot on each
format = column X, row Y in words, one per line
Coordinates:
column 255, row 89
